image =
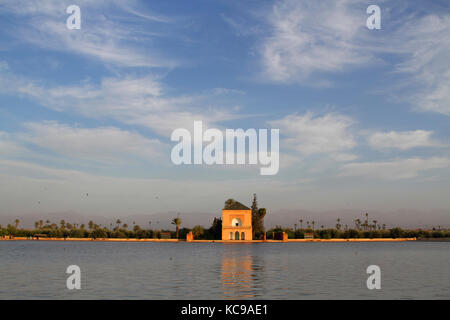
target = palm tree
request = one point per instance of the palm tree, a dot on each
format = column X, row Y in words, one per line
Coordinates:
column 63, row 224
column 313, row 222
column 177, row 222
column 125, row 226
column 301, row 223
column 338, row 225
column 36, row 224
column 367, row 220
column 295, row 227
column 358, row 224
column 41, row 224
column 17, row 221
column 118, row 222
column 91, row 225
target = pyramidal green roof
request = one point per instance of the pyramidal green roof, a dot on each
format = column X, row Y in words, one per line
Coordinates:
column 235, row 205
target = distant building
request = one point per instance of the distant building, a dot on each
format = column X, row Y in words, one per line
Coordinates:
column 165, row 235
column 308, row 236
column 236, row 222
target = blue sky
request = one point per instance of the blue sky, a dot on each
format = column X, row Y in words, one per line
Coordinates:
column 363, row 114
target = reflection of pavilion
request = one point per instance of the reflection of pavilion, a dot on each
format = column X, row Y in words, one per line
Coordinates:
column 238, row 277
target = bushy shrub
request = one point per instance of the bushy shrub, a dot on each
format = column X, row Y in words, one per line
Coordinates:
column 438, row 234
column 396, row 233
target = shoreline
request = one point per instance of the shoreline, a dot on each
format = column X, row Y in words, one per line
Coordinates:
column 214, row 241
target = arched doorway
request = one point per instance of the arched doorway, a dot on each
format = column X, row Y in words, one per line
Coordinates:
column 236, row 235
column 242, row 236
column 231, row 235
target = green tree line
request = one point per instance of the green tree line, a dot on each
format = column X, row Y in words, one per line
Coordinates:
column 333, row 233
column 118, row 230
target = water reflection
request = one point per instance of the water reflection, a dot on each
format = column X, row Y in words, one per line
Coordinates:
column 241, row 275
column 223, row 271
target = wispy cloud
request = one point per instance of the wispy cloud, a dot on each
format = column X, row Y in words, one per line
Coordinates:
column 308, row 40
column 309, row 134
column 402, row 140
column 394, row 169
column 8, row 146
column 425, row 43
column 131, row 100
column 107, row 39
column 307, row 37
column 103, row 144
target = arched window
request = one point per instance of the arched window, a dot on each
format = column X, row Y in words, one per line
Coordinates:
column 242, row 236
column 231, row 235
column 236, row 222
column 236, row 235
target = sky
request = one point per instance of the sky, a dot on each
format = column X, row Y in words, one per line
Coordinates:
column 86, row 115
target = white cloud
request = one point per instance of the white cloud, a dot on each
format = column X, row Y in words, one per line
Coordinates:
column 103, row 144
column 395, row 169
column 344, row 157
column 108, row 40
column 9, row 147
column 312, row 36
column 131, row 100
column 402, row 140
column 426, row 44
column 435, row 99
column 308, row 134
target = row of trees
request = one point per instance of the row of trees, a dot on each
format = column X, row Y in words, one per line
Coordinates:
column 122, row 230
column 359, row 225
column 361, row 229
column 119, row 230
column 215, row 233
column 333, row 233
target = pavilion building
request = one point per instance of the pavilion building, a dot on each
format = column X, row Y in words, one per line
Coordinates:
column 237, row 222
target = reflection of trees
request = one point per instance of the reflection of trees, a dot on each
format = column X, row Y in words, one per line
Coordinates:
column 240, row 276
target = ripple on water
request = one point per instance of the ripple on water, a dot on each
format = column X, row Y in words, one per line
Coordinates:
column 410, row 270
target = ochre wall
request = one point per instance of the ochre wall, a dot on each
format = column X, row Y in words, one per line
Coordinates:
column 246, row 228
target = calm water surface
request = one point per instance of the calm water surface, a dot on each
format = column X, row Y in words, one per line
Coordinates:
column 410, row 270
